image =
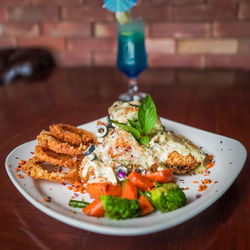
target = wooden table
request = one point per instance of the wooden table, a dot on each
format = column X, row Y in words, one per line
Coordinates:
column 217, row 101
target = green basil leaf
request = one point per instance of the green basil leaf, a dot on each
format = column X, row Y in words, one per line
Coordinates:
column 147, row 114
column 132, row 123
column 144, row 140
column 135, row 132
column 136, row 125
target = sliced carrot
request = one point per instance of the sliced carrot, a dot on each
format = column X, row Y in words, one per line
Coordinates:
column 95, row 209
column 95, row 190
column 145, row 206
column 114, row 190
column 129, row 191
column 162, row 176
column 140, row 181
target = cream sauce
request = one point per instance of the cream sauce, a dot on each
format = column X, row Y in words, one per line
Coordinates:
column 119, row 147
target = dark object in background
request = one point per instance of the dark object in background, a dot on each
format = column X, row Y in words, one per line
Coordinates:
column 28, row 63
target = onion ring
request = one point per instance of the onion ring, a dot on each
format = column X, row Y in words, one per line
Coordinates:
column 46, row 140
column 62, row 160
column 71, row 134
column 33, row 167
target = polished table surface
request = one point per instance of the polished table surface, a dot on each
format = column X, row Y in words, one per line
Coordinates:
column 216, row 101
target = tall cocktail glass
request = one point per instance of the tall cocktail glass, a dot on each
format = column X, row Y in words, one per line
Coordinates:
column 131, row 56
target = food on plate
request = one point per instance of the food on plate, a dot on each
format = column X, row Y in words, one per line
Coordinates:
column 79, row 204
column 129, row 190
column 71, row 134
column 162, row 176
column 141, row 181
column 101, row 130
column 95, row 208
column 133, row 198
column 120, row 208
column 95, row 190
column 38, row 169
column 167, row 197
column 47, row 140
column 135, row 135
column 145, row 206
column 128, row 167
column 62, row 160
column 59, row 153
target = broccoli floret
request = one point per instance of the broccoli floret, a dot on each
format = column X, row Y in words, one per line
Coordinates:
column 120, row 208
column 167, row 197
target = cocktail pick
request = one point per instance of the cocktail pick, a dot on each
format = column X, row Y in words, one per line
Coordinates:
column 119, row 5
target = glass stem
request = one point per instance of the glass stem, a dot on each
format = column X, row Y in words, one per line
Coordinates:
column 132, row 85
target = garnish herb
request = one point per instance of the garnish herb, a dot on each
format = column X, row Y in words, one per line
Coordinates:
column 147, row 117
column 135, row 132
column 136, row 124
column 144, row 140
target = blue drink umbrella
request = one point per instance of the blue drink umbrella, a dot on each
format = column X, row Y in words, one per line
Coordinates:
column 119, row 5
column 131, row 55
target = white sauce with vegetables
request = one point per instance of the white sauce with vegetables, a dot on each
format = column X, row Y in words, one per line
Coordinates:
column 119, row 147
column 164, row 143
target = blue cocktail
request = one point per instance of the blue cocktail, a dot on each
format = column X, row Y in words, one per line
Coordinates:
column 131, row 56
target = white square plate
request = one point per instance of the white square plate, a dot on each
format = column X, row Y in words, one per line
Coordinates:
column 229, row 155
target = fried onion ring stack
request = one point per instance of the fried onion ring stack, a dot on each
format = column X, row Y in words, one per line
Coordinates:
column 60, row 148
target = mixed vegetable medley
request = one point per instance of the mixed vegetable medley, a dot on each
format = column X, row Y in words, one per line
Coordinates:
column 137, row 196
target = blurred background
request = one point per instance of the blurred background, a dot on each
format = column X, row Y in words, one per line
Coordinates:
column 179, row 33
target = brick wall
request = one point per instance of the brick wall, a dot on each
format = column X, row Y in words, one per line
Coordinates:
column 180, row 33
